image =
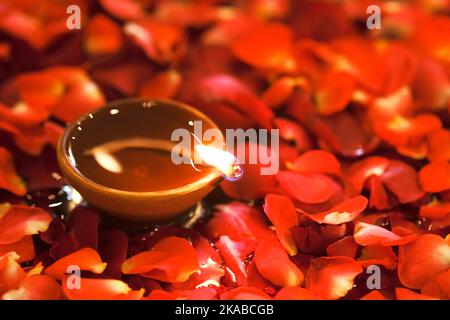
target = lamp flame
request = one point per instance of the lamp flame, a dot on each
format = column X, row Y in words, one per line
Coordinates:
column 223, row 161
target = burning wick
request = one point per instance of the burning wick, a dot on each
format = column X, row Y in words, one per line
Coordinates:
column 222, row 161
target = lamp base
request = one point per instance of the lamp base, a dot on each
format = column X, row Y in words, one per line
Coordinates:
column 70, row 198
column 185, row 220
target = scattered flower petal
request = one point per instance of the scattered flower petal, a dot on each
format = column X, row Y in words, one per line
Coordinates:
column 269, row 255
column 99, row 289
column 17, row 221
column 244, row 293
column 282, row 214
column 84, row 259
column 172, row 259
column 332, row 277
column 344, row 212
column 423, row 259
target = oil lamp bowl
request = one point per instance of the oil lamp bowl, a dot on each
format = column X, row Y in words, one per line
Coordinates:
column 157, row 204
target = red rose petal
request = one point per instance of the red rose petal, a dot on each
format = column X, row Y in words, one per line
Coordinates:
column 235, row 254
column 112, row 247
column 5, row 51
column 401, row 179
column 435, row 210
column 268, row 47
column 333, row 232
column 374, row 295
column 188, row 14
column 253, row 184
column 430, row 85
column 334, row 92
column 342, row 132
column 244, row 293
column 379, row 198
column 9, row 180
column 162, row 85
column 309, row 188
column 24, row 248
column 124, row 9
column 439, row 286
column 316, row 161
column 237, row 221
column 406, row 294
column 282, row 214
column 269, row 255
column 227, row 31
column 309, row 239
column 439, row 146
column 172, row 259
column 160, row 295
column 295, row 293
column 435, row 177
column 378, row 255
column 42, row 88
column 256, row 280
column 103, row 36
column 17, row 221
column 374, row 110
column 423, row 259
column 23, row 115
column 222, row 88
column 279, row 91
column 202, row 293
column 338, row 197
column 270, row 9
column 33, row 140
column 85, row 259
column 53, row 132
column 211, row 267
column 400, row 64
column 386, row 107
column 100, row 289
column 80, row 231
column 160, row 41
column 67, row 92
column 79, row 99
column 11, row 274
column 36, row 29
column 360, row 171
column 36, row 287
column 344, row 212
column 371, row 235
column 433, row 45
column 125, row 77
column 332, row 277
column 292, row 132
column 399, row 131
column 345, row 247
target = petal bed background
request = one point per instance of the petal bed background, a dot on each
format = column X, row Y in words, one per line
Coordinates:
column 364, row 120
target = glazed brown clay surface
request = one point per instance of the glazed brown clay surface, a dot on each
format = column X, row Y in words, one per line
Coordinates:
column 119, row 159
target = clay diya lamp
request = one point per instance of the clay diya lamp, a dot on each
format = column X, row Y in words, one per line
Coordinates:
column 119, row 159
